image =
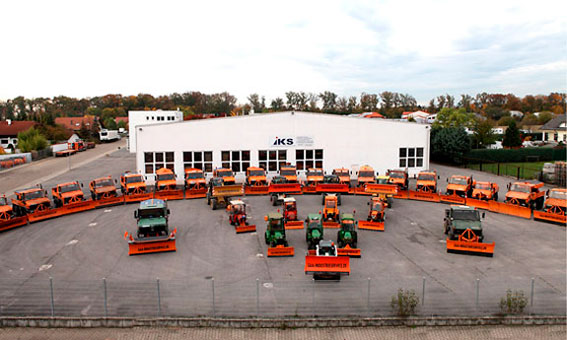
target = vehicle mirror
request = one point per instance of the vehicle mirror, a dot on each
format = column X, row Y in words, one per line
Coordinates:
column 447, row 180
column 81, row 185
column 319, row 212
column 438, row 177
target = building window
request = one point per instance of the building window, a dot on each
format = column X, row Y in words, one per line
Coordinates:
column 199, row 160
column 411, row 157
column 272, row 160
column 154, row 161
column 238, row 161
column 306, row 159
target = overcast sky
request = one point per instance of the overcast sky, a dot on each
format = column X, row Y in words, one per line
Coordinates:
column 424, row 48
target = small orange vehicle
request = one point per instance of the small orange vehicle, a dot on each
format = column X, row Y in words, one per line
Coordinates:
column 485, row 191
column 331, row 212
column 556, row 201
column 132, row 184
column 399, row 178
column 67, row 193
column 256, row 177
column 226, row 175
column 194, row 179
column 344, row 175
column 78, row 145
column 377, row 212
column 427, row 181
column 29, row 200
column 460, row 186
column 314, row 176
column 165, row 180
column 289, row 172
column 365, row 175
column 6, row 212
column 102, row 188
column 525, row 194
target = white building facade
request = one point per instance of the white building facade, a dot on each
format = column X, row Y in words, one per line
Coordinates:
column 302, row 139
column 136, row 118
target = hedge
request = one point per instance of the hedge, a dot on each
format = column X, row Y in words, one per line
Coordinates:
column 515, row 155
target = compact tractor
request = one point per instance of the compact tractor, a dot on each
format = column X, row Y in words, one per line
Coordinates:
column 347, row 236
column 165, row 180
column 314, row 232
column 427, row 181
column 330, row 211
column 325, row 264
column 526, row 194
column 387, row 197
column 238, row 218
column 30, row 200
column 277, row 197
column 275, row 236
column 132, row 184
column 463, row 227
column 485, row 191
column 102, row 188
column 460, row 186
column 67, row 193
column 290, row 214
column 153, row 234
column 365, row 175
column 399, row 178
column 376, row 215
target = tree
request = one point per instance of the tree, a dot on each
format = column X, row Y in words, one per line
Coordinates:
column 84, row 131
column 449, row 144
column 450, row 117
column 465, row 102
column 544, row 117
column 30, row 140
column 483, row 134
column 329, row 101
column 109, row 123
column 506, row 120
column 256, row 102
column 512, row 136
column 277, row 104
column 368, row 102
column 122, row 125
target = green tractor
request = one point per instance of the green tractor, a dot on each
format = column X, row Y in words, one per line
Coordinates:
column 314, row 230
column 275, row 236
column 347, row 234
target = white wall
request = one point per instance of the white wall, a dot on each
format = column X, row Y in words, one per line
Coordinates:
column 347, row 141
column 137, row 118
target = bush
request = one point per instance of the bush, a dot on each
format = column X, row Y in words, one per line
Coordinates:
column 405, row 302
column 449, row 145
column 515, row 155
column 31, row 139
column 514, row 302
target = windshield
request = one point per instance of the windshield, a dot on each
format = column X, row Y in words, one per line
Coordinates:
column 257, row 173
column 314, row 173
column 426, row 177
column 166, row 177
column 341, row 172
column 376, row 206
column 194, row 175
column 396, row 175
column 458, row 180
column 134, row 179
column 275, row 224
column 290, row 205
column 287, row 172
column 366, row 174
column 70, row 187
column 470, row 215
column 225, row 173
column 520, row 188
column 382, row 181
column 103, row 183
column 348, row 225
column 330, row 204
column 562, row 195
column 33, row 195
column 483, row 186
column 150, row 213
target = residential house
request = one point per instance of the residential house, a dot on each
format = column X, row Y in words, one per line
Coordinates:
column 9, row 130
column 75, row 123
column 418, row 116
column 555, row 130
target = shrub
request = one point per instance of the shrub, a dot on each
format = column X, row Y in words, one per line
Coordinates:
column 514, row 302
column 516, row 155
column 31, row 139
column 405, row 302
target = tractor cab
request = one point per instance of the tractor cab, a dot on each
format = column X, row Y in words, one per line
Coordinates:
column 289, row 205
column 314, row 230
column 152, row 217
column 347, row 234
column 275, row 230
column 326, row 248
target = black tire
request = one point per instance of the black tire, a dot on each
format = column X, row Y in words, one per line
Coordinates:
column 214, row 204
column 274, row 201
column 323, row 199
column 339, row 201
column 266, row 238
column 539, row 203
column 496, row 196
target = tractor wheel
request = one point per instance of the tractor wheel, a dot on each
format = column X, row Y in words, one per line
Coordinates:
column 339, row 199
column 496, row 196
column 274, row 200
column 539, row 203
column 266, row 238
column 285, row 244
column 208, row 199
column 214, row 203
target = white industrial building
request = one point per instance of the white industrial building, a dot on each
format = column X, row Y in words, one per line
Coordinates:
column 136, row 118
column 270, row 140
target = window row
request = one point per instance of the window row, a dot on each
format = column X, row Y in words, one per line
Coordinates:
column 411, row 157
column 154, row 161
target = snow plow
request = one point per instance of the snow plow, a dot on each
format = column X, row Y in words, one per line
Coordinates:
column 347, row 237
column 326, row 264
column 133, row 188
column 332, row 184
column 463, row 228
column 458, row 189
column 275, row 236
column 376, row 215
column 279, row 187
column 330, row 212
column 399, row 178
column 386, row 192
column 104, row 193
column 256, row 182
column 427, row 181
column 153, row 234
column 555, row 207
column 166, row 185
column 237, row 217
column 195, row 185
column 7, row 218
column 290, row 214
column 220, row 193
column 28, row 201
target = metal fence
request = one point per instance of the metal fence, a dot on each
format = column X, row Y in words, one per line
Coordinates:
column 258, row 298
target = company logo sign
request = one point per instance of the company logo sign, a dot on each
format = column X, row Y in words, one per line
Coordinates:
column 286, row 141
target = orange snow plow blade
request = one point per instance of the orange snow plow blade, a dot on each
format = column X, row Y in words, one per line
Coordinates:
column 402, row 195
column 510, row 209
column 228, row 190
column 327, row 265
column 196, row 193
column 293, row 225
column 169, row 195
column 44, row 215
column 110, row 201
column 424, row 196
column 256, row 190
column 309, row 189
column 550, row 217
column 331, row 225
column 331, row 188
column 13, row 223
column 284, row 188
column 348, row 251
column 468, row 244
column 280, row 251
column 454, row 199
column 478, row 203
column 243, row 228
column 138, row 197
column 151, row 245
column 376, row 226
column 389, row 189
column 76, row 207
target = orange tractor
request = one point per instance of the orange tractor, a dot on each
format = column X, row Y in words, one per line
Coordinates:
column 131, row 184
column 289, row 172
column 195, row 179
column 238, row 217
column 376, row 215
column 460, row 186
column 365, row 175
column 30, row 200
column 6, row 212
column 226, row 175
column 399, row 178
column 67, row 193
column 427, row 181
column 102, row 188
column 485, row 191
column 165, row 180
column 331, row 213
column 290, row 214
column 525, row 194
column 343, row 174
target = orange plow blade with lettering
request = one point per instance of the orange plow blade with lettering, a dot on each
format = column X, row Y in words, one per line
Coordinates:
column 327, row 265
column 550, row 217
column 243, row 228
column 291, row 225
column 468, row 243
column 348, row 251
column 376, row 226
column 281, row 251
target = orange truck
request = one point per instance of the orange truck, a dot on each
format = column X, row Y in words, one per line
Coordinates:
column 331, row 213
column 132, row 184
column 485, row 191
column 556, row 201
column 314, row 176
column 256, row 177
column 525, row 194
column 289, row 172
column 344, row 175
column 165, row 179
column 399, row 178
column 67, row 193
column 194, row 179
column 365, row 174
column 226, row 175
column 460, row 186
column 29, row 200
column 427, row 181
column 102, row 188
column 6, row 212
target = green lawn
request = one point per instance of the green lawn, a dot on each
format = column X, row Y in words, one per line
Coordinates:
column 528, row 170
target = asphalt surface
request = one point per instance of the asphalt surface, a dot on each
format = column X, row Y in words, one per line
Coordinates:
column 77, row 251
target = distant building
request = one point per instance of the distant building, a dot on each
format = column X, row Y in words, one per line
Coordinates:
column 75, row 123
column 499, row 130
column 516, row 114
column 122, row 119
column 9, row 130
column 555, row 130
column 418, row 116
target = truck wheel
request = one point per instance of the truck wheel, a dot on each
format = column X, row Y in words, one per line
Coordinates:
column 496, row 196
column 214, row 202
column 274, row 200
column 539, row 203
column 339, row 201
column 322, row 198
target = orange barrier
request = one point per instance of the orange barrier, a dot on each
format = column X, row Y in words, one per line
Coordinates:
column 176, row 194
column 309, row 189
column 245, row 228
column 13, row 223
column 280, row 251
column 44, row 215
column 332, row 188
column 350, row 252
column 331, row 225
column 424, row 196
column 468, row 244
column 376, row 226
column 509, row 209
column 550, row 217
column 481, row 204
column 195, row 193
column 285, row 188
column 388, row 189
column 256, row 190
column 293, row 225
column 327, row 265
column 107, row 202
column 138, row 197
column 454, row 199
column 402, row 194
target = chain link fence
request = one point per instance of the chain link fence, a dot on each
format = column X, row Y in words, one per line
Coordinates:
column 258, row 298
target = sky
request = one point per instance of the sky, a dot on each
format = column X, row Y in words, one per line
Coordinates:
column 424, row 48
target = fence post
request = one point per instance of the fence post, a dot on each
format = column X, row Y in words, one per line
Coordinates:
column 51, row 294
column 213, row 288
column 518, row 174
column 105, row 297
column 313, row 296
column 480, row 166
column 368, row 296
column 257, row 298
column 476, row 297
column 498, row 171
column 532, row 294
column 423, row 291
column 158, row 297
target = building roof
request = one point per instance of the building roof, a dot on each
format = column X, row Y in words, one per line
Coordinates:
column 421, row 114
column 74, row 123
column 555, row 124
column 12, row 128
column 371, row 115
